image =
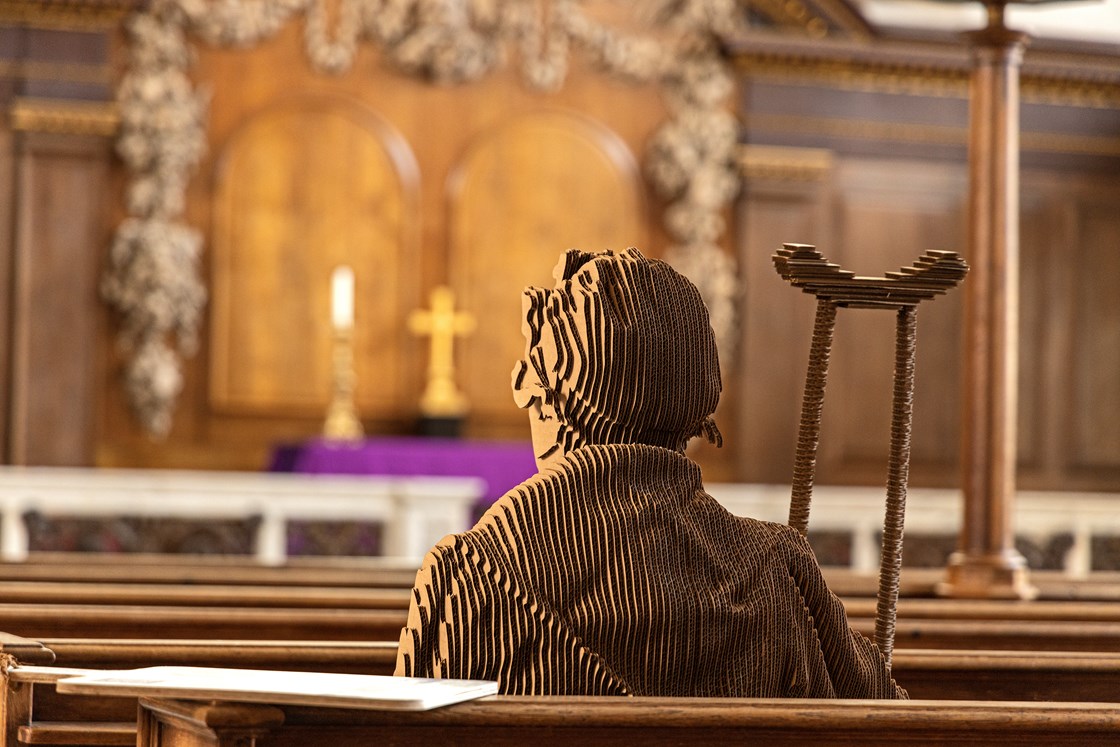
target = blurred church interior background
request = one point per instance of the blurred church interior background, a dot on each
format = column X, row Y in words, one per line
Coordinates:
column 179, row 185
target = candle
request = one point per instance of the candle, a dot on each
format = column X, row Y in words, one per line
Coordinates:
column 342, row 297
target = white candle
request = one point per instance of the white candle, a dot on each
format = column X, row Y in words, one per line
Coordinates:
column 342, row 297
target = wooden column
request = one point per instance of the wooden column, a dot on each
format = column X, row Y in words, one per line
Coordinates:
column 986, row 564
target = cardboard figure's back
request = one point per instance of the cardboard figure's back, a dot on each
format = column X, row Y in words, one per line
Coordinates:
column 612, row 571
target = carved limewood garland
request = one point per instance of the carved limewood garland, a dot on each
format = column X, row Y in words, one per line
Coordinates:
column 153, row 274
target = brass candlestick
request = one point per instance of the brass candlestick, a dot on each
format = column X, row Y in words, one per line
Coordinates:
column 342, row 422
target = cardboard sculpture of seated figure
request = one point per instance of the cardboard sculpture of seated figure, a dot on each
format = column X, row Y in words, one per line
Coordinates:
column 612, row 571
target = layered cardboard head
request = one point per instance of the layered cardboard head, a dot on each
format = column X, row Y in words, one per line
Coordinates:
column 620, row 351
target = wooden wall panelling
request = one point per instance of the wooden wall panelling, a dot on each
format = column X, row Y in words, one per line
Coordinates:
column 785, row 202
column 1093, row 371
column 60, row 209
column 301, row 188
column 524, row 192
column 886, row 214
column 1046, row 289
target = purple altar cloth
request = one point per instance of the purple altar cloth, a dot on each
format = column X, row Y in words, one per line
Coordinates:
column 502, row 464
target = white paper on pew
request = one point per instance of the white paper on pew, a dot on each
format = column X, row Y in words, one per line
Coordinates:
column 281, row 688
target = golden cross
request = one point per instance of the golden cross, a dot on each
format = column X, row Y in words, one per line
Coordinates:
column 442, row 324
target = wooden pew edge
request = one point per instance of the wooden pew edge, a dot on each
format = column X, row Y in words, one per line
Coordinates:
column 1006, row 660
column 669, row 713
column 40, row 675
column 109, row 733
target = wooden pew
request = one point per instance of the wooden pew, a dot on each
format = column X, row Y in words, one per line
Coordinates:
column 395, row 573
column 940, row 675
column 926, row 673
column 168, row 621
column 363, row 615
column 203, row 595
column 930, row 674
column 991, row 609
column 916, row 583
column 922, row 583
column 584, row 720
column 163, row 621
column 358, row 657
column 23, row 696
column 1000, row 635
column 341, row 597
column 617, row 721
column 56, row 716
column 229, row 596
column 206, row 569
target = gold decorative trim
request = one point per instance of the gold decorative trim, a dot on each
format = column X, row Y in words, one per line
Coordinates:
column 793, row 14
column 1090, row 94
column 783, row 163
column 64, row 117
column 856, row 75
column 928, row 134
column 56, row 71
column 919, row 80
column 90, row 15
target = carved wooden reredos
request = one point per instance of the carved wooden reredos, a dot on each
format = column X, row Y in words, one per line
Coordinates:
column 356, row 169
column 466, row 144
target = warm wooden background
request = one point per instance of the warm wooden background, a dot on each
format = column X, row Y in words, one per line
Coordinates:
column 482, row 187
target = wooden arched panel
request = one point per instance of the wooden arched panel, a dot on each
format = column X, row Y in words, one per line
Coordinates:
column 525, row 192
column 300, row 189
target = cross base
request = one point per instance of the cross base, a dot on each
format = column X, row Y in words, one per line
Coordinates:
column 440, row 427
